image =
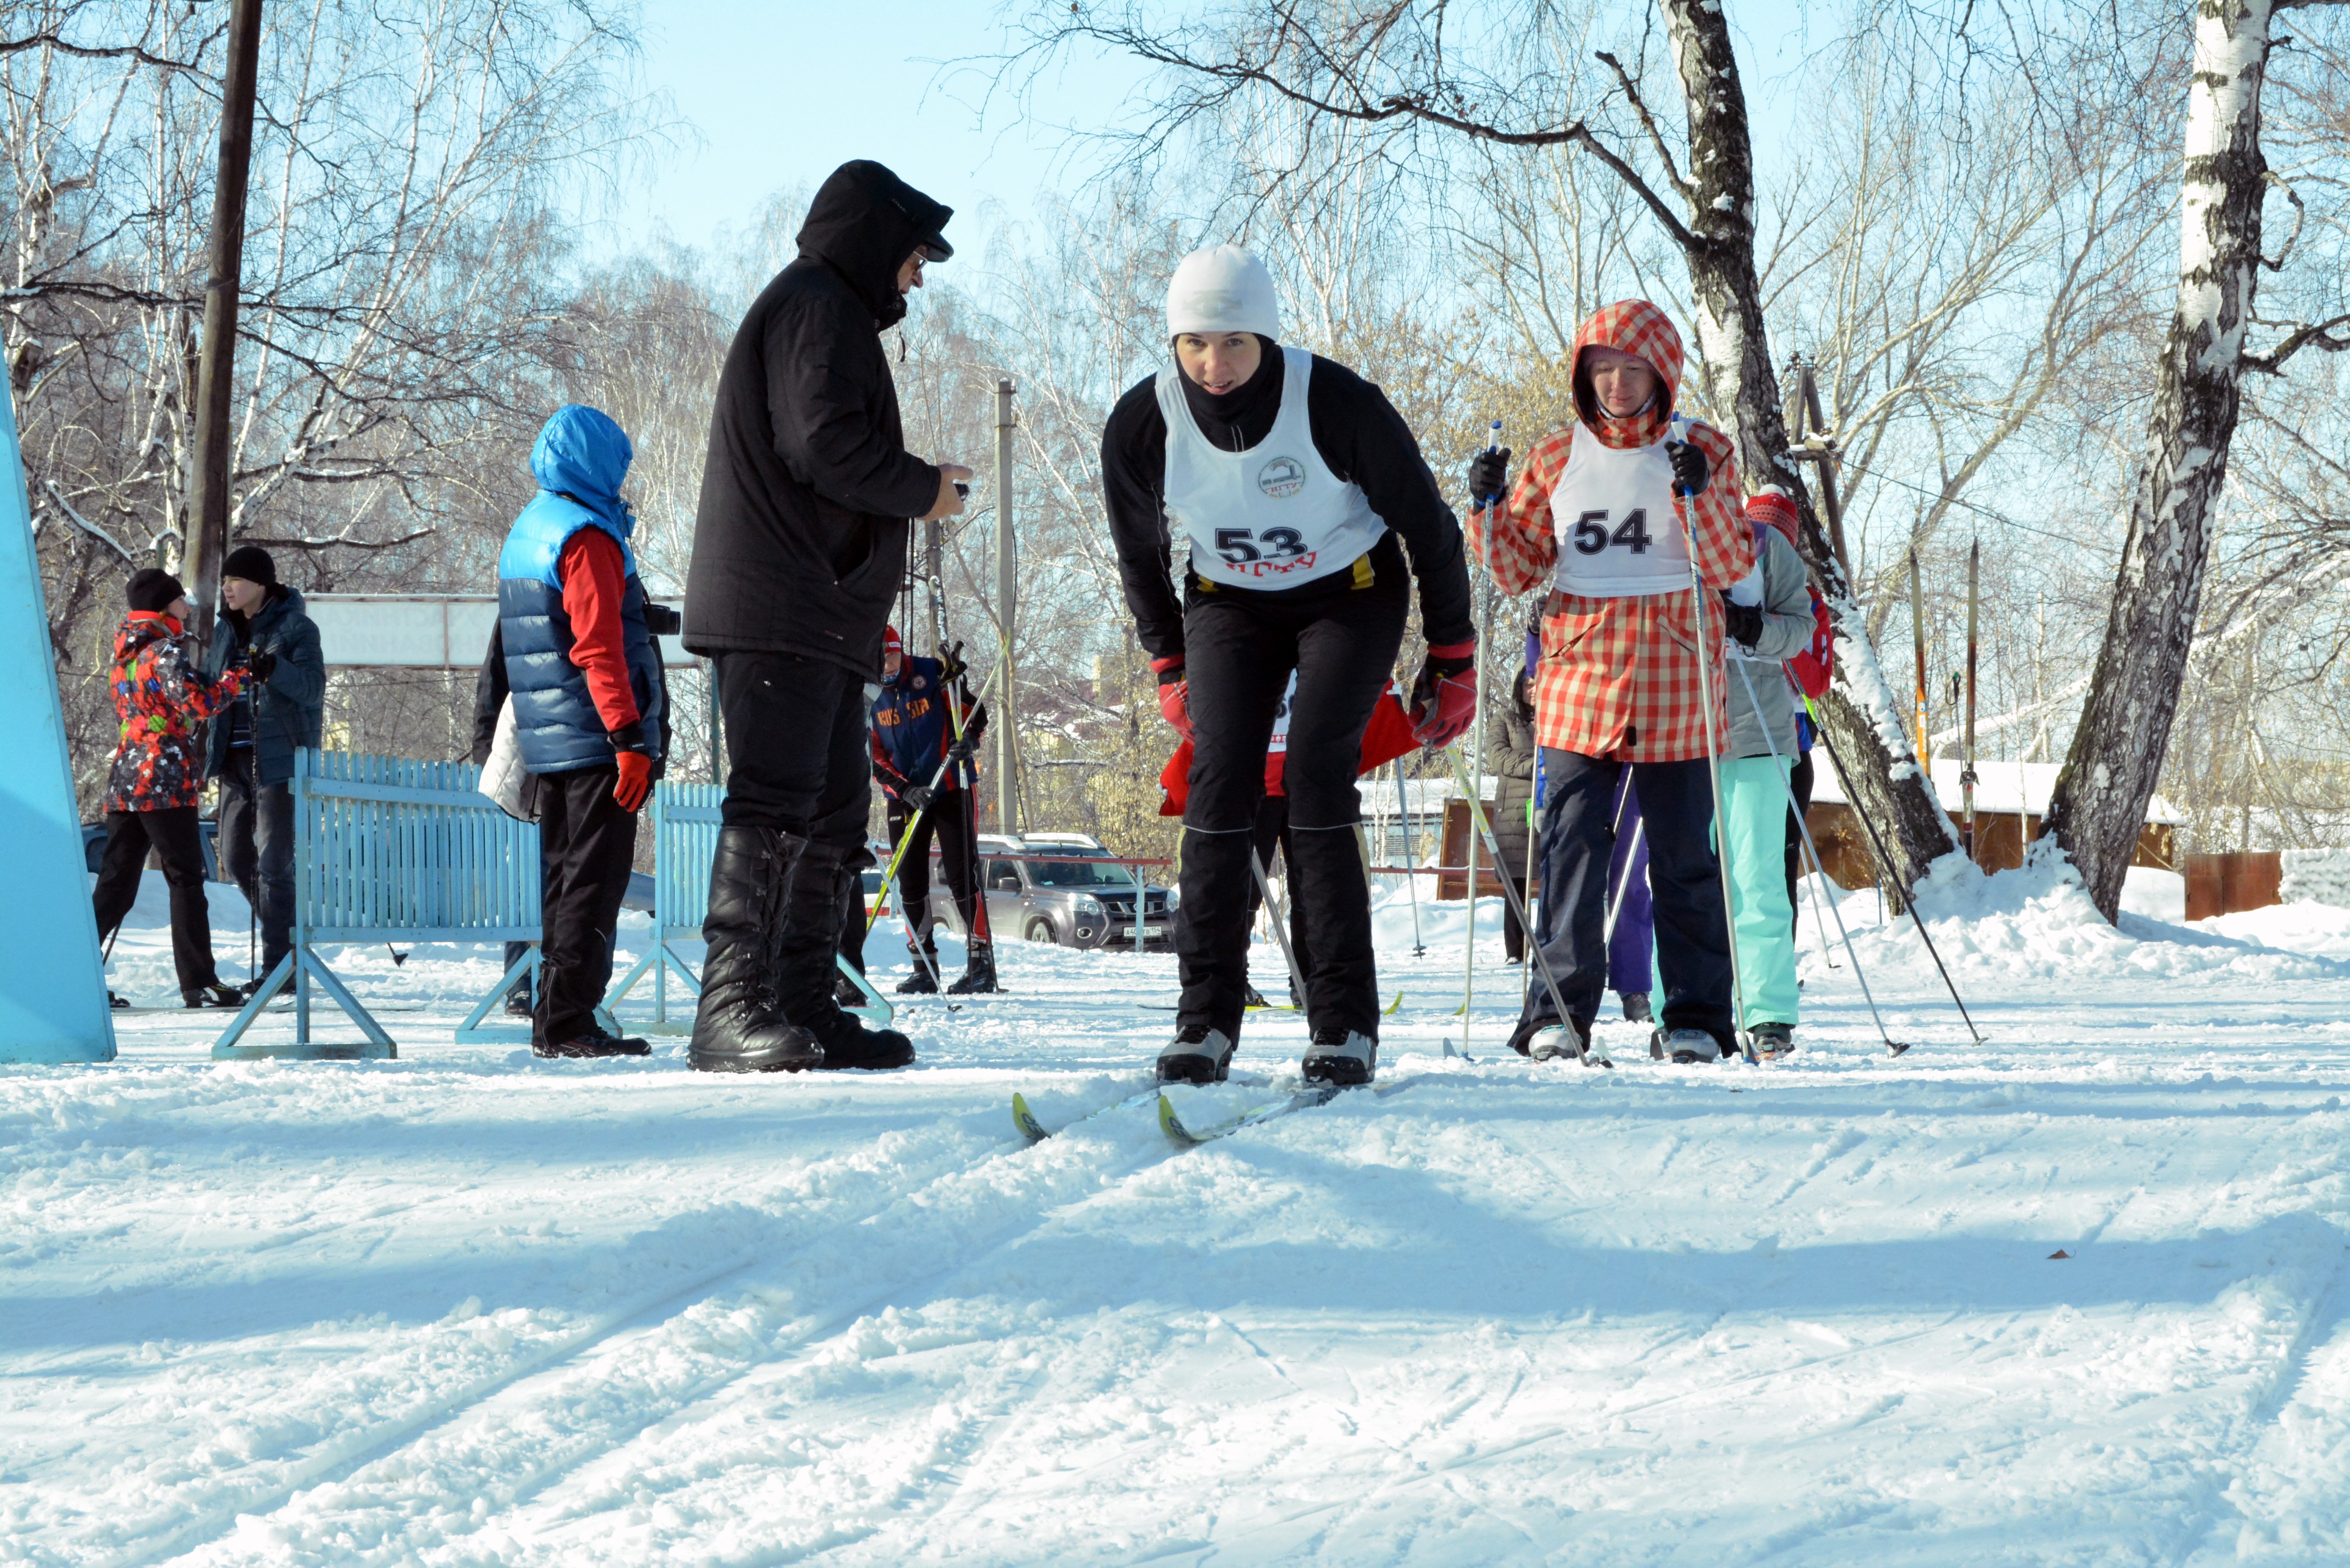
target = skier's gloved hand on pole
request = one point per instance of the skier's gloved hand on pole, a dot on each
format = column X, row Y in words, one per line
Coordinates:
column 1444, row 697
column 919, row 796
column 951, row 667
column 1174, row 695
column 973, row 727
column 1489, row 475
column 1744, row 622
column 261, row 664
column 1690, row 471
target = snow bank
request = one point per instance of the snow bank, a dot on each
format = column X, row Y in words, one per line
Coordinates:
column 2037, row 922
column 2317, row 877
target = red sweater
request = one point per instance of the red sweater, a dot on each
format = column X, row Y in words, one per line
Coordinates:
column 594, row 579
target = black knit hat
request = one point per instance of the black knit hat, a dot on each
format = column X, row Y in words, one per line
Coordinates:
column 153, row 589
column 251, row 563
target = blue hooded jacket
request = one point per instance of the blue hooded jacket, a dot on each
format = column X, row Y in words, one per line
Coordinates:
column 580, row 459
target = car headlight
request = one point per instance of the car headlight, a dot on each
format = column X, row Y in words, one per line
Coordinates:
column 1089, row 908
column 1174, row 900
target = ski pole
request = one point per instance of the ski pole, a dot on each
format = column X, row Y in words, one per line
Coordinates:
column 1616, row 908
column 1895, row 1047
column 1280, row 923
column 1477, row 814
column 1852, row 799
column 1411, row 859
column 1484, row 639
column 1713, row 768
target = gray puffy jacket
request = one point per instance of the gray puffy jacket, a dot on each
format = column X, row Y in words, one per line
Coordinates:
column 1786, row 631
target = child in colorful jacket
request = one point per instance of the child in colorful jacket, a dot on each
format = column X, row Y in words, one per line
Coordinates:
column 161, row 703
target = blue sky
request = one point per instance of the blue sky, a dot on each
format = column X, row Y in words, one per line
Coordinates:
column 779, row 92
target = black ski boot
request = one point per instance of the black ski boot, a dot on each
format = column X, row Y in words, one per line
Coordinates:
column 1250, row 997
column 978, row 970
column 1635, row 1008
column 923, row 981
column 817, row 884
column 1198, row 1054
column 213, row 995
column 595, row 1042
column 737, row 1028
column 1342, row 1056
column 844, row 990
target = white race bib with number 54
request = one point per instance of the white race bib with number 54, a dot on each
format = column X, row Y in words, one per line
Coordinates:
column 1618, row 536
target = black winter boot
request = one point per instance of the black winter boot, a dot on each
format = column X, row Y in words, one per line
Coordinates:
column 737, row 1028
column 978, row 970
column 815, row 890
column 924, row 981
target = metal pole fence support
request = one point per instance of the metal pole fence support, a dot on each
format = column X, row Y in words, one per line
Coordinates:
column 207, row 542
column 1007, row 605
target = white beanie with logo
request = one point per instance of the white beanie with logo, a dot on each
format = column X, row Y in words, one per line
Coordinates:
column 1222, row 288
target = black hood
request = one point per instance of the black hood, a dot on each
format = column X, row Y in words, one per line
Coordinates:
column 864, row 222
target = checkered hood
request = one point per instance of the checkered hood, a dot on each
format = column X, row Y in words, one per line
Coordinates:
column 1630, row 327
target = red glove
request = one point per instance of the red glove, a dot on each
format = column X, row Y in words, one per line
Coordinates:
column 636, row 780
column 1174, row 695
column 1444, row 697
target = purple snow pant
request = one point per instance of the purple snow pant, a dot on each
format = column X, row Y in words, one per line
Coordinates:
column 1628, row 949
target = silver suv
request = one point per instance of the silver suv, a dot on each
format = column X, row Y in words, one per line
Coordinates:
column 1077, row 898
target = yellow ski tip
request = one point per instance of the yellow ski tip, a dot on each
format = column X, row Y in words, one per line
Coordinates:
column 1025, row 1120
column 1172, row 1125
column 1391, row 1009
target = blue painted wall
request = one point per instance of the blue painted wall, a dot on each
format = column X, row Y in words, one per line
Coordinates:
column 52, row 986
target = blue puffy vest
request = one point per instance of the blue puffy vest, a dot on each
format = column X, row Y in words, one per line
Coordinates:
column 583, row 455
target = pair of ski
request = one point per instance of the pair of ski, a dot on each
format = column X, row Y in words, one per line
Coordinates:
column 1181, row 1134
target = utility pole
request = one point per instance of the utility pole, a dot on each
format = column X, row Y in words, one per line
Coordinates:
column 1917, row 641
column 223, row 276
column 1007, row 602
column 1967, row 769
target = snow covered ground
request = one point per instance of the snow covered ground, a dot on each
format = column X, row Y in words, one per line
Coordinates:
column 470, row 1308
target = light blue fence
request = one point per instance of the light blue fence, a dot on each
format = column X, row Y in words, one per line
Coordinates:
column 685, row 820
column 387, row 850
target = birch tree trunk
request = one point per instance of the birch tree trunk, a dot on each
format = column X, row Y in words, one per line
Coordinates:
column 1860, row 715
column 2101, row 795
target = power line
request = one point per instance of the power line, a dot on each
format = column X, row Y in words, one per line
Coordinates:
column 1955, row 500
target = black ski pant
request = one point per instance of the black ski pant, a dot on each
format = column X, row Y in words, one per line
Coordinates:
column 1272, row 834
column 257, row 850
column 795, row 746
column 1684, row 882
column 1239, row 649
column 177, row 839
column 585, row 847
column 950, row 822
column 1799, row 779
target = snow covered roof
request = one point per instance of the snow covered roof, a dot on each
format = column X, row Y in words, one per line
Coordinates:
column 2000, row 786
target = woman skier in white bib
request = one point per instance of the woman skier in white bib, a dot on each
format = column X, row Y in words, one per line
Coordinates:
column 1596, row 519
column 1288, row 481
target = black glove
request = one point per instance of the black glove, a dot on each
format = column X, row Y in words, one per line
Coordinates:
column 919, row 796
column 1744, row 622
column 261, row 663
column 976, row 725
column 1489, row 475
column 952, row 665
column 1689, row 469
column 962, row 749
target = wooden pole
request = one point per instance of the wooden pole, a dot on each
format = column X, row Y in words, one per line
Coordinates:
column 208, row 503
column 1966, row 771
column 1917, row 641
column 1007, row 592
column 1831, row 501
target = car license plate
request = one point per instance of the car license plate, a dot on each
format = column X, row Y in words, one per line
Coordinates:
column 1149, row 932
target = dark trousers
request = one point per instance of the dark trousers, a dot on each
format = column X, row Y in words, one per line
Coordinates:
column 1799, row 779
column 586, row 846
column 257, row 850
column 1239, row 649
column 178, row 840
column 1684, row 879
column 1272, row 834
column 795, row 743
column 950, row 822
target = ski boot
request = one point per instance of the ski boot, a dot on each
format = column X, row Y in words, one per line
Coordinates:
column 1553, row 1041
column 519, row 1003
column 1684, row 1046
column 1772, row 1041
column 1198, row 1054
column 213, row 995
column 1251, row 998
column 1636, row 1008
column 1342, row 1056
column 594, row 1043
column 921, row 982
column 978, row 970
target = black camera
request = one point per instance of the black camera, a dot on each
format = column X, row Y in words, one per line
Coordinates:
column 663, row 621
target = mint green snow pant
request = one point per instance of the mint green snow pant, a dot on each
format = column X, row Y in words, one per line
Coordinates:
column 1754, row 810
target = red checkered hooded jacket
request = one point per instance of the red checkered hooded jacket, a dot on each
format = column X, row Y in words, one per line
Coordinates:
column 1619, row 676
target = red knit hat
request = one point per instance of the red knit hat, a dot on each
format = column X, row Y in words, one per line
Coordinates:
column 891, row 642
column 1770, row 504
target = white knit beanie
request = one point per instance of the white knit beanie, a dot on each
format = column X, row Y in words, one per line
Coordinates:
column 1222, row 288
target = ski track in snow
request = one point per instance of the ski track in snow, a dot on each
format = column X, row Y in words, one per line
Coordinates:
column 467, row 1308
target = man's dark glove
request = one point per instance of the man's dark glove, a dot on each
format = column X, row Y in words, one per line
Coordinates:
column 1489, row 475
column 976, row 725
column 261, row 663
column 1689, row 469
column 1744, row 622
column 918, row 797
column 951, row 666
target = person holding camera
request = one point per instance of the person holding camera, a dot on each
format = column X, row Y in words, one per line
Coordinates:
column 265, row 630
column 585, row 683
column 799, row 546
column 160, row 698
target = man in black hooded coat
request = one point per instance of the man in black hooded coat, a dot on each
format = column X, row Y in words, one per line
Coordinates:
column 799, row 549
